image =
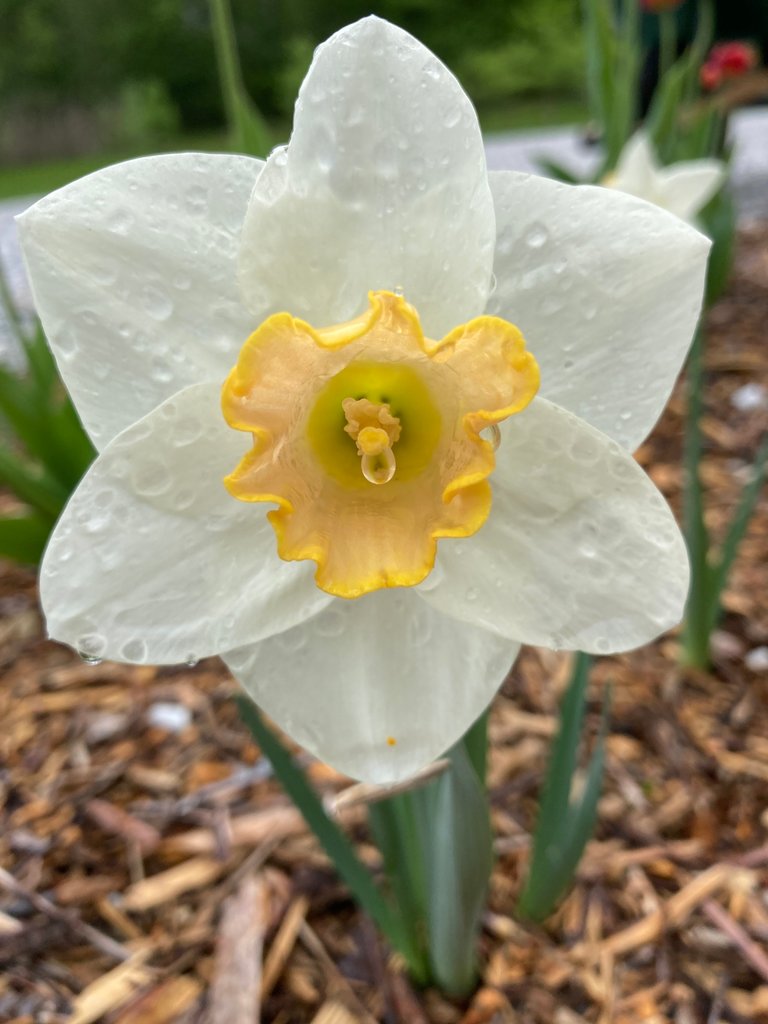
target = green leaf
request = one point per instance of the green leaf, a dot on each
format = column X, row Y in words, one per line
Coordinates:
column 19, row 407
column 8, row 307
column 70, row 451
column 718, row 577
column 32, row 486
column 23, row 538
column 699, row 48
column 718, row 218
column 564, row 825
column 458, row 854
column 557, row 788
column 248, row 128
column 556, row 170
column 42, row 366
column 696, row 623
column 600, row 48
column 583, row 814
column 47, row 426
column 626, row 72
column 475, row 742
column 330, row 836
column 662, row 118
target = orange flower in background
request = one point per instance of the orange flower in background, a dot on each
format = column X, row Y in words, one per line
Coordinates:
column 657, row 6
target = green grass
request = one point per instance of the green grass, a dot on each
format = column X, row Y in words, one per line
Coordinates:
column 45, row 176
column 42, row 177
column 522, row 113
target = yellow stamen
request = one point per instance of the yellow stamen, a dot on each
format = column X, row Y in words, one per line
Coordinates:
column 373, row 441
column 374, row 430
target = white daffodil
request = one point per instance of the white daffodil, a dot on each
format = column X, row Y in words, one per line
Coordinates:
column 683, row 188
column 164, row 280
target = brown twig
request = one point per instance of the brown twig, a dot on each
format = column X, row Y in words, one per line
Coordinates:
column 749, row 949
column 366, row 793
column 93, row 937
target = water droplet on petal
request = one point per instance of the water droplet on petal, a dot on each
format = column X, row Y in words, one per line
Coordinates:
column 91, row 647
column 134, row 650
column 89, row 659
column 196, row 199
column 452, row 117
column 536, row 236
column 120, row 221
column 330, row 624
column 161, row 371
column 156, row 303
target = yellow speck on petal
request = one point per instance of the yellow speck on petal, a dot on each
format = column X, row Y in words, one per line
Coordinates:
column 368, row 437
column 391, row 741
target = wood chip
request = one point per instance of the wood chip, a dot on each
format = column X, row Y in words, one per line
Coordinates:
column 118, row 822
column 672, row 914
column 334, row 1012
column 165, row 1004
column 245, row 830
column 236, row 985
column 112, row 990
column 168, row 885
column 282, row 944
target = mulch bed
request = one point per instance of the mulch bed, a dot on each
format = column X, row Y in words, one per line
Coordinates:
column 153, row 872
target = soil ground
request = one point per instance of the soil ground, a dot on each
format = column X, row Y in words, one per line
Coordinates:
column 153, row 872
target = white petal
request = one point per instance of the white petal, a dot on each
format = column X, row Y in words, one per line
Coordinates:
column 685, row 188
column 607, row 291
column 153, row 561
column 362, row 673
column 580, row 550
column 637, row 170
column 133, row 272
column 383, row 185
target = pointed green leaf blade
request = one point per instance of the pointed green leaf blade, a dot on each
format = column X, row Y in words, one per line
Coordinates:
column 330, row 836
column 557, row 785
column 30, row 485
column 23, row 538
column 557, row 837
column 738, row 527
column 248, row 129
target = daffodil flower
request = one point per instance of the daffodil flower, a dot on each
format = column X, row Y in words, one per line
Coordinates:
column 296, row 373
column 683, row 188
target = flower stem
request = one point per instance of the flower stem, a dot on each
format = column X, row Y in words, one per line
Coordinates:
column 436, row 844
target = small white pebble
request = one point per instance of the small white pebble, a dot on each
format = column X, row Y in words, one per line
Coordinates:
column 105, row 726
column 165, row 715
column 748, row 397
column 757, row 659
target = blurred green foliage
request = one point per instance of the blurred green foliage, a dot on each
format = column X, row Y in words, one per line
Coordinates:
column 44, row 450
column 148, row 69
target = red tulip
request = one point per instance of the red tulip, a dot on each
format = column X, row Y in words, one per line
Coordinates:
column 733, row 59
column 710, row 76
